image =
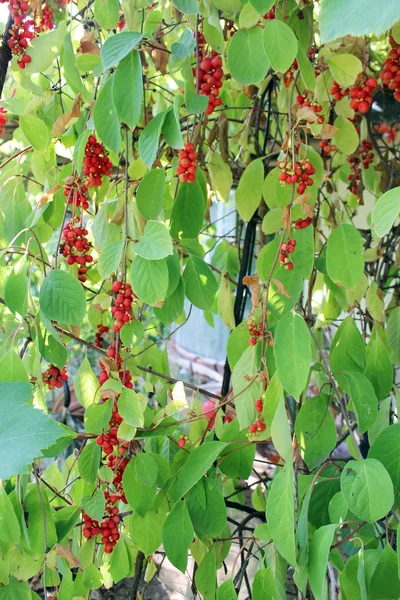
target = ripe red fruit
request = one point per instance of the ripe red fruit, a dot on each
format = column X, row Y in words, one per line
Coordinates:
column 209, row 411
column 182, row 442
column 187, row 164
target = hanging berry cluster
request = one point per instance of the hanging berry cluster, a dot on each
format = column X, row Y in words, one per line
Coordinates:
column 301, row 224
column 22, row 31
column 304, row 100
column 3, row 120
column 361, row 95
column 299, row 172
column 99, row 339
column 75, row 246
column 96, row 163
column 108, row 440
column 46, row 22
column 355, row 176
column 53, row 377
column 209, row 79
column 338, row 92
column 390, row 74
column 76, row 192
column 327, row 148
column 367, row 156
column 108, row 529
column 124, row 375
column 258, row 426
column 187, row 164
column 285, row 249
column 288, row 76
column 256, row 331
column 123, row 304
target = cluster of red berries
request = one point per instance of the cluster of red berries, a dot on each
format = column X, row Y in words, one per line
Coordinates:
column 285, row 249
column 109, row 526
column 22, row 31
column 99, row 340
column 367, row 156
column 256, row 428
column 3, row 120
column 313, row 105
column 288, row 76
column 256, row 331
column 96, row 163
column 209, row 79
column 124, row 375
column 338, row 92
column 270, row 15
column 76, row 192
column 361, row 95
column 302, row 224
column 108, row 439
column 230, row 25
column 355, row 176
column 390, row 74
column 118, row 464
column 75, row 246
column 46, row 22
column 388, row 133
column 123, row 304
column 187, row 164
column 258, row 405
column 327, row 148
column 299, row 172
column 54, row 377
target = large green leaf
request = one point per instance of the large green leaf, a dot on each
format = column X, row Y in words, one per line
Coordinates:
column 348, row 350
column 247, row 60
column 315, row 431
column 105, row 117
column 249, row 191
column 149, row 279
column 116, row 47
column 245, row 391
column 280, row 513
column 207, row 508
column 86, row 385
column 292, row 349
column 62, row 298
column 41, row 527
column 187, row 216
column 345, row 68
column 177, row 535
column 344, row 256
column 386, row 449
column 346, row 138
column 385, row 212
column 155, row 242
column 280, row 45
column 36, row 132
column 106, row 13
column 367, row 489
column 9, row 527
column 149, row 139
column 89, row 462
column 146, row 531
column 23, row 427
column 200, row 284
column 379, row 368
column 127, row 91
column 150, row 193
column 321, row 542
column 363, row 397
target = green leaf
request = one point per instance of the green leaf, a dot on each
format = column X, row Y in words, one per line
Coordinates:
column 292, row 349
column 149, row 139
column 24, row 427
column 187, row 7
column 379, row 368
column 40, row 519
column 139, row 495
column 220, row 175
column 306, row 69
column 207, row 508
column 44, row 49
column 62, row 298
column 393, row 334
column 385, row 212
column 36, row 132
column 94, row 505
column 247, row 60
column 348, row 351
column 92, row 578
column 89, row 462
column 196, row 465
column 280, row 513
column 9, row 527
column 344, row 256
column 106, row 13
column 171, row 129
column 187, row 216
column 155, row 243
column 150, row 193
column 87, row 62
column 280, row 431
column 65, row 519
column 173, row 305
column 385, row 580
column 315, row 431
column 206, row 576
column 280, row 45
column 86, row 385
column 97, row 416
column 110, row 258
column 79, row 149
column 116, row 47
column 346, row 138
column 185, row 46
column 386, row 449
column 177, row 535
column 344, row 18
column 227, row 591
column 127, row 91
column 247, row 392
column 16, row 590
column 201, row 285
column 146, row 469
column 71, row 73
column 367, row 489
column 362, row 394
column 146, row 532
column 105, row 117
column 345, row 68
column 149, row 279
column 120, row 563
column 249, row 191
column 248, row 17
column 321, row 542
column 130, row 408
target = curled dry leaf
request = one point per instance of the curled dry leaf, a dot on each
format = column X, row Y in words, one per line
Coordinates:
column 307, row 210
column 223, row 136
column 286, row 217
column 63, row 121
column 65, row 552
column 160, row 55
column 87, row 45
column 327, row 132
column 306, row 114
column 250, row 280
column 255, row 295
column 49, row 195
column 109, row 364
column 76, row 330
column 281, row 288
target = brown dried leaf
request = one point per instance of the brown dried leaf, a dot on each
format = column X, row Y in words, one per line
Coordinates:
column 49, row 195
column 97, row 307
column 63, row 121
column 285, row 143
column 327, row 132
column 160, row 55
column 109, row 364
column 255, row 295
column 118, row 216
column 248, row 91
column 76, row 106
column 306, row 114
column 281, row 288
column 87, row 45
column 286, row 217
column 307, row 210
column 65, row 552
column 223, row 136
column 109, row 394
column 36, row 6
column 70, row 180
column 250, row 280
